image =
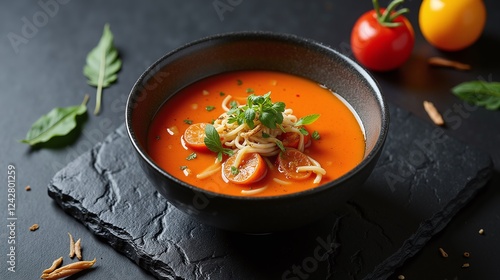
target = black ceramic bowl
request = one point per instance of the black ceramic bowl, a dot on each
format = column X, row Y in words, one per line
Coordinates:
column 258, row 51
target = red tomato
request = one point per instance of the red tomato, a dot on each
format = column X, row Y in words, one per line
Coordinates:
column 289, row 160
column 292, row 139
column 381, row 39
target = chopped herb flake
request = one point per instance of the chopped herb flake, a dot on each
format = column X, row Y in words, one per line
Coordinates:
column 239, row 82
column 315, row 135
column 183, row 167
column 209, row 108
column 191, row 156
column 222, row 93
column 188, row 121
column 234, row 170
column 250, row 90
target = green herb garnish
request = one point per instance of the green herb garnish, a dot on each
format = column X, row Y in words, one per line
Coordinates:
column 222, row 93
column 234, row 170
column 191, row 156
column 250, row 90
column 233, row 104
column 57, row 122
column 307, row 120
column 187, row 121
column 183, row 167
column 210, row 108
column 239, row 82
column 315, row 135
column 479, row 93
column 102, row 65
column 258, row 108
column 265, row 135
column 213, row 143
column 280, row 145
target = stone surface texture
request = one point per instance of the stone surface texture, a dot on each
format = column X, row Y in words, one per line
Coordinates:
column 422, row 180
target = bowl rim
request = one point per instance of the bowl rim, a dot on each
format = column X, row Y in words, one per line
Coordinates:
column 264, row 35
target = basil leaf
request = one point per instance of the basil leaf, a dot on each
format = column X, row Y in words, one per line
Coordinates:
column 102, row 65
column 57, row 122
column 307, row 120
column 479, row 93
column 213, row 143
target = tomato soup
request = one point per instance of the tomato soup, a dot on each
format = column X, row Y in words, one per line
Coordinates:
column 338, row 144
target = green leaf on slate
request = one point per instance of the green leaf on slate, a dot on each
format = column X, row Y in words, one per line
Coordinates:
column 479, row 93
column 102, row 65
column 58, row 122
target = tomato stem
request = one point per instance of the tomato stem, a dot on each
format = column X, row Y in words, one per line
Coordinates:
column 387, row 18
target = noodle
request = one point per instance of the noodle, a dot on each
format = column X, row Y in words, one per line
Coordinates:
column 255, row 191
column 259, row 139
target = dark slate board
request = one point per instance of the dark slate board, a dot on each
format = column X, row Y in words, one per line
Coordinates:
column 422, row 179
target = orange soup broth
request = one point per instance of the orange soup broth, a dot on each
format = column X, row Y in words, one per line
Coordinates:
column 340, row 147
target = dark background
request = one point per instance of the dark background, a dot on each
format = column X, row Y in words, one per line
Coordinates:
column 45, row 71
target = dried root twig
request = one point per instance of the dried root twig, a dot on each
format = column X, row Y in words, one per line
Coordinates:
column 78, row 249
column 439, row 61
column 55, row 264
column 433, row 113
column 68, row 270
column 71, row 246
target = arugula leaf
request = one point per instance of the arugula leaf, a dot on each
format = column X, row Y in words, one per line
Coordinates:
column 213, row 143
column 479, row 93
column 102, row 65
column 58, row 122
column 307, row 120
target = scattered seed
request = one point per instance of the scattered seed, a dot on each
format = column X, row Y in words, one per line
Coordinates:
column 401, row 277
column 34, row 227
column 443, row 253
column 439, row 61
column 78, row 249
column 28, row 188
column 466, row 254
column 481, row 231
column 55, row 264
column 433, row 113
column 465, row 265
column 71, row 246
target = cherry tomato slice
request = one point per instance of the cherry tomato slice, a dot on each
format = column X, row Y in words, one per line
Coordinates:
column 289, row 160
column 292, row 139
column 251, row 169
column 194, row 137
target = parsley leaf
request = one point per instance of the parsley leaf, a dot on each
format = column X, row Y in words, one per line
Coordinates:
column 213, row 143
